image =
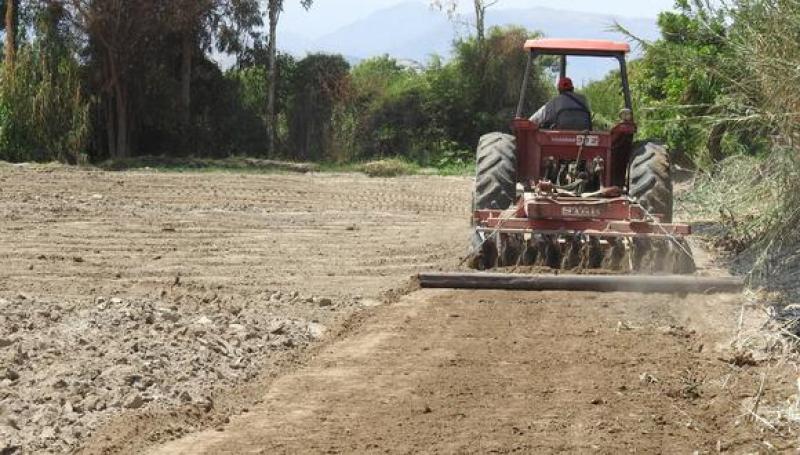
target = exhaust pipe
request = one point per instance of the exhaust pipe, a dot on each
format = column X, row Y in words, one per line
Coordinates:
column 584, row 283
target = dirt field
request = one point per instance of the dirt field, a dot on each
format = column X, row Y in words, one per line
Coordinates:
column 244, row 313
column 126, row 294
column 79, row 234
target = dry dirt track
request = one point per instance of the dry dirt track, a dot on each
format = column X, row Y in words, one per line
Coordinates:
column 502, row 372
column 194, row 259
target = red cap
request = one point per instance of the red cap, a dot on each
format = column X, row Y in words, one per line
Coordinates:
column 565, row 84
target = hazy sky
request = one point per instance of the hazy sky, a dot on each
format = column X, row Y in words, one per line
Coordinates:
column 329, row 15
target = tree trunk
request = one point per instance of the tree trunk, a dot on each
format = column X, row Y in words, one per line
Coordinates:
column 118, row 144
column 108, row 112
column 123, row 147
column 111, row 136
column 480, row 37
column 480, row 22
column 11, row 33
column 187, row 54
column 272, row 79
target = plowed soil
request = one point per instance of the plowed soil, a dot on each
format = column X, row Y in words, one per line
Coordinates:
column 76, row 233
column 125, row 296
column 305, row 277
column 500, row 372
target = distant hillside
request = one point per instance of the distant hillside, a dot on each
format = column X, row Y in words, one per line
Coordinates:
column 414, row 31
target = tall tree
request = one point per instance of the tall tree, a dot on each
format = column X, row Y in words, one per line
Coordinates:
column 11, row 20
column 318, row 84
column 479, row 7
column 199, row 24
column 483, row 58
column 131, row 47
column 188, row 18
column 116, row 31
column 274, row 9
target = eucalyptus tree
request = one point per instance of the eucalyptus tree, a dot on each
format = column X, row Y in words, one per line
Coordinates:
column 274, row 10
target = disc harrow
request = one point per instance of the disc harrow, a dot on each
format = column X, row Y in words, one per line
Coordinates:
column 582, row 253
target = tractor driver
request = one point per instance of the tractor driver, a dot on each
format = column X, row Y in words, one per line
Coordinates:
column 567, row 111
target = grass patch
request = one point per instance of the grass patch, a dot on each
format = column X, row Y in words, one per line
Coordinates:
column 392, row 167
column 457, row 170
column 190, row 164
column 396, row 167
column 745, row 193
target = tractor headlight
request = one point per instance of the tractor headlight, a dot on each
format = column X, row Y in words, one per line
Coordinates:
column 626, row 115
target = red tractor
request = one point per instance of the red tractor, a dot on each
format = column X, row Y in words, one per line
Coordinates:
column 570, row 199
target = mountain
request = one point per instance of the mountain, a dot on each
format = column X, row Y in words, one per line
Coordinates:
column 413, row 31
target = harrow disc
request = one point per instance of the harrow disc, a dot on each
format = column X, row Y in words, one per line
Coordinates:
column 582, row 253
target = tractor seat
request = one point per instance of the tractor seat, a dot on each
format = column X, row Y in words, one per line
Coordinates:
column 574, row 119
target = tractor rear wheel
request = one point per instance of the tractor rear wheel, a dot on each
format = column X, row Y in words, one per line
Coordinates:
column 651, row 186
column 495, row 189
column 496, row 179
column 651, row 179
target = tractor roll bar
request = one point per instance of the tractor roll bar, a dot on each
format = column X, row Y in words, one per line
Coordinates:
column 525, row 77
column 534, row 54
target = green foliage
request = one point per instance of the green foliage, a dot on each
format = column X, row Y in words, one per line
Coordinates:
column 9, row 145
column 478, row 92
column 606, row 100
column 388, row 108
column 252, row 87
column 451, row 155
column 435, row 116
column 740, row 88
column 677, row 83
column 250, row 74
column 686, row 87
column 245, row 121
column 44, row 114
column 763, row 71
column 234, row 163
column 156, row 91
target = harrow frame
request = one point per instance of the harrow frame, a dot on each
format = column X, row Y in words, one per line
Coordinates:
column 567, row 216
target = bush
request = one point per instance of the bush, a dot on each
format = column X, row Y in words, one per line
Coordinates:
column 44, row 115
column 434, row 117
column 386, row 111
